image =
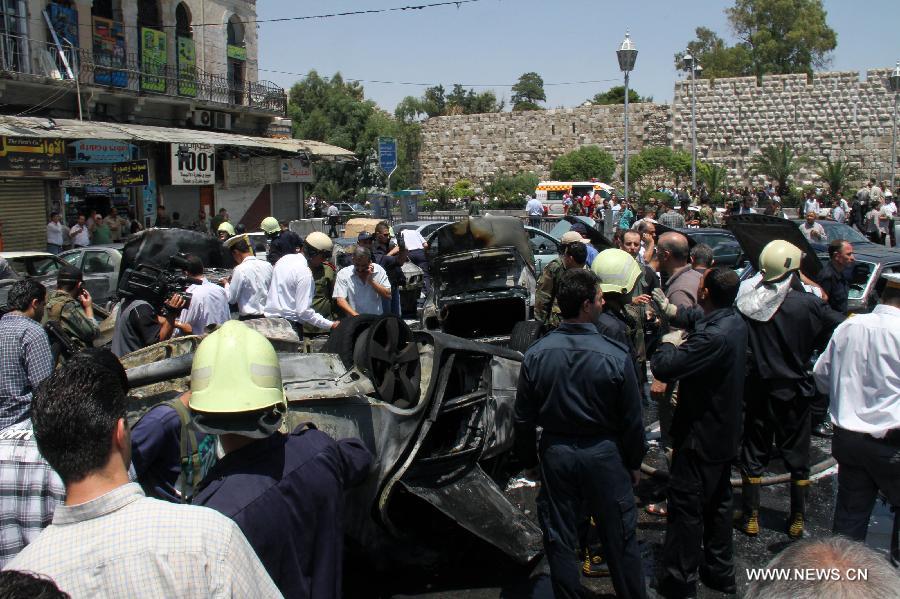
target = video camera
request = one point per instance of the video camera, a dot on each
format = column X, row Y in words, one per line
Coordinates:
column 155, row 285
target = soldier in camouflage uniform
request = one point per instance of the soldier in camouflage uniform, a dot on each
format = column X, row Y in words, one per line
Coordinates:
column 70, row 306
column 546, row 309
column 323, row 275
column 706, row 215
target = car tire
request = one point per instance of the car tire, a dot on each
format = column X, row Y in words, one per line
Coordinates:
column 342, row 340
column 525, row 333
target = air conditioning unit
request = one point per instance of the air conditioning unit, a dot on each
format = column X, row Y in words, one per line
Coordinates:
column 203, row 118
column 222, row 120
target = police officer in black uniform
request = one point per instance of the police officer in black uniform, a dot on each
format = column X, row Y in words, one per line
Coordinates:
column 706, row 431
column 592, row 442
column 783, row 337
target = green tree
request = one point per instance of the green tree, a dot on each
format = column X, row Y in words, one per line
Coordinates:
column 716, row 57
column 585, row 163
column 616, row 95
column 712, row 177
column 463, row 188
column 837, row 174
column 660, row 160
column 510, row 188
column 527, row 92
column 780, row 163
column 783, row 36
column 442, row 194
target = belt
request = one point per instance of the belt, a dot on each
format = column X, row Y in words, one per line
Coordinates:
column 250, row 316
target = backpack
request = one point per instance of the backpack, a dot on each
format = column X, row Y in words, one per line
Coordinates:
column 197, row 459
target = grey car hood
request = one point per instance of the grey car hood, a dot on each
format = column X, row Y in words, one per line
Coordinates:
column 755, row 231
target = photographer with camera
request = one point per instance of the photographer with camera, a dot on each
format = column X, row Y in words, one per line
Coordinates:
column 71, row 307
column 140, row 323
column 209, row 302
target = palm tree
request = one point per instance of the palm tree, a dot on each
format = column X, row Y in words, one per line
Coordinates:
column 778, row 162
column 837, row 174
column 330, row 190
column 712, row 177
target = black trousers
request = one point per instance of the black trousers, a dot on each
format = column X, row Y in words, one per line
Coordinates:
column 698, row 525
column 585, row 473
column 865, row 466
column 780, row 417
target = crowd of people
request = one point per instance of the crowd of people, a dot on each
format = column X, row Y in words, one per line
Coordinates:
column 730, row 367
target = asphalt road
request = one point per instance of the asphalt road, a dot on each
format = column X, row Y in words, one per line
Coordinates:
column 487, row 577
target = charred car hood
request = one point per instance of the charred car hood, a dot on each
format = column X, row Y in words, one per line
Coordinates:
column 755, row 231
column 156, row 246
column 482, row 232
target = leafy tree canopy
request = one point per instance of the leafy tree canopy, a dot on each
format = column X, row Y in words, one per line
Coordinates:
column 436, row 102
column 527, row 92
column 585, row 163
column 774, row 37
column 616, row 95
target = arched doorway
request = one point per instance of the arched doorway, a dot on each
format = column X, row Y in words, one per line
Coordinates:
column 110, row 58
column 186, row 52
column 152, row 47
column 236, row 52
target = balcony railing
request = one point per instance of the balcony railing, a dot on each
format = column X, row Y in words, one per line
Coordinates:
column 30, row 57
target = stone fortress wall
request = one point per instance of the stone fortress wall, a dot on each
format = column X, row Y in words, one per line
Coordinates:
column 835, row 114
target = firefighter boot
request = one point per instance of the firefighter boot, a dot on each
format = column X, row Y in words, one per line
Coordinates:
column 750, row 499
column 798, row 508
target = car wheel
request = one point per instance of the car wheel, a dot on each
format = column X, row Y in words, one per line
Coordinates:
column 524, row 333
column 387, row 353
column 342, row 340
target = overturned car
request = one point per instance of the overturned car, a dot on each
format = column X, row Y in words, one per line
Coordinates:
column 482, row 278
column 435, row 410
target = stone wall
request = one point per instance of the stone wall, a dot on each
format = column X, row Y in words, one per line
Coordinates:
column 479, row 146
column 831, row 114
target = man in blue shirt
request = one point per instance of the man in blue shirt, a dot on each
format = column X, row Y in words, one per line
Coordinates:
column 592, row 442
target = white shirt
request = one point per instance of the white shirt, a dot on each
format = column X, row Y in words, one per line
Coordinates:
column 860, row 371
column 79, row 235
column 534, row 207
column 291, row 292
column 839, row 215
column 209, row 305
column 362, row 297
column 811, row 206
column 249, row 285
column 333, row 211
column 413, row 239
column 55, row 233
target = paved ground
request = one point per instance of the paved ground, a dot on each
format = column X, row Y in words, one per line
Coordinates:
column 485, row 577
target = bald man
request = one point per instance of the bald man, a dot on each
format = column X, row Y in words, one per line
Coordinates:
column 674, row 254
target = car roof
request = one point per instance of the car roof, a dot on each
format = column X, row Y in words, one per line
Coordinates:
column 421, row 223
column 25, row 255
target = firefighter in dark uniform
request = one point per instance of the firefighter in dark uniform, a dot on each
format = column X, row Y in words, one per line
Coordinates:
column 710, row 365
column 592, row 442
column 281, row 241
column 285, row 491
column 71, row 308
column 323, row 276
column 786, row 325
column 546, row 310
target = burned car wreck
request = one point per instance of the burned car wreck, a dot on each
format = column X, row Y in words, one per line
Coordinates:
column 435, row 410
column 483, row 280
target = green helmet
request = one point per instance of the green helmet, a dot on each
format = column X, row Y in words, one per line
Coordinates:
column 617, row 271
column 777, row 259
column 236, row 383
column 227, row 227
column 270, row 225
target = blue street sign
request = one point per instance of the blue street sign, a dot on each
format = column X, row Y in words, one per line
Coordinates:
column 387, row 154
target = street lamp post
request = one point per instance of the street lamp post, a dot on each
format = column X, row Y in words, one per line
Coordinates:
column 894, row 85
column 693, row 67
column 627, row 55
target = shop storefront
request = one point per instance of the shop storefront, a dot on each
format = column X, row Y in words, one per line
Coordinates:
column 92, row 184
column 29, row 168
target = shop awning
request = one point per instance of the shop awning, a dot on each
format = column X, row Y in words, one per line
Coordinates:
column 13, row 126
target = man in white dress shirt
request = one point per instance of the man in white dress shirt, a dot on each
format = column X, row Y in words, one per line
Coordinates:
column 209, row 303
column 291, row 293
column 360, row 287
column 248, row 285
column 860, row 370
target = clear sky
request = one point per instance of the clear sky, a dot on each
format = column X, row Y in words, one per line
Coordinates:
column 490, row 43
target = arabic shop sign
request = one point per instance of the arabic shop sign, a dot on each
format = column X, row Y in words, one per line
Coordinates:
column 236, row 52
column 101, row 151
column 32, row 156
column 130, row 174
column 193, row 164
column 296, row 170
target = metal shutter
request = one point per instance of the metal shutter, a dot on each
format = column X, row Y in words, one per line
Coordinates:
column 23, row 211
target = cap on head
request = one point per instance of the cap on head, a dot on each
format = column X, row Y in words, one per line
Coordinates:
column 892, row 279
column 236, row 383
column 227, row 227
column 69, row 274
column 617, row 271
column 270, row 225
column 778, row 259
column 571, row 237
column 319, row 241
